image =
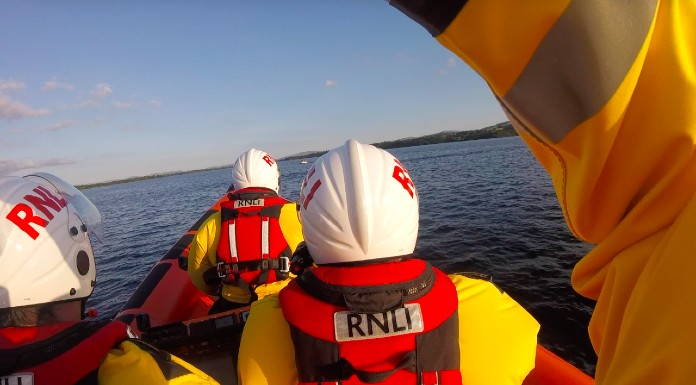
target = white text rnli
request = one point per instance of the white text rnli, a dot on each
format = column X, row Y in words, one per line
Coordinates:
column 248, row 203
column 18, row 379
column 349, row 326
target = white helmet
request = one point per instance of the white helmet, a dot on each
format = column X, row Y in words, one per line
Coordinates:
column 358, row 203
column 45, row 251
column 255, row 168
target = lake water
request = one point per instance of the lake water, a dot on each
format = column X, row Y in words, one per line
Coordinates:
column 486, row 206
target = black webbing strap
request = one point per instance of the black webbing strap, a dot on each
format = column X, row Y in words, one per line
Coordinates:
column 281, row 264
column 385, row 297
column 31, row 355
column 344, row 370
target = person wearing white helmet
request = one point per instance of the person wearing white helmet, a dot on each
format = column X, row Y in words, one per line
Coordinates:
column 47, row 272
column 369, row 311
column 243, row 251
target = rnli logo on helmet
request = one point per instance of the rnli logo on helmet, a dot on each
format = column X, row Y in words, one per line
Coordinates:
column 22, row 215
column 349, row 326
column 401, row 176
column 306, row 198
column 267, row 158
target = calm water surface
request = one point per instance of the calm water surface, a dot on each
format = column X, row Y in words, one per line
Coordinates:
column 486, row 206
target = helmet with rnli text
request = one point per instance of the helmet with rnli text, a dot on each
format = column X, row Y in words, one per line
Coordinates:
column 45, row 250
column 358, row 203
column 255, row 168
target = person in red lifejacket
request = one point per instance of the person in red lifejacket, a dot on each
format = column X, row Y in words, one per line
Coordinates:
column 243, row 252
column 47, row 272
column 369, row 311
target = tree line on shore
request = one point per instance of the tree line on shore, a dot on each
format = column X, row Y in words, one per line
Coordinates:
column 499, row 130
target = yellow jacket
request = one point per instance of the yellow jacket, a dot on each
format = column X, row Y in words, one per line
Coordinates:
column 131, row 364
column 202, row 254
column 604, row 94
column 497, row 339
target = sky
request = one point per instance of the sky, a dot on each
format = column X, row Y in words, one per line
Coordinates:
column 96, row 91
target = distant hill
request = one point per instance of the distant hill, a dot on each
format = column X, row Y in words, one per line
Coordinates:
column 499, row 130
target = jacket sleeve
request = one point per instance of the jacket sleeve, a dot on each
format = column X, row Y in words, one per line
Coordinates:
column 497, row 337
column 131, row 364
column 290, row 225
column 202, row 253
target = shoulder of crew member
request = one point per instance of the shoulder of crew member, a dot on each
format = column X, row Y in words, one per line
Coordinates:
column 497, row 336
column 290, row 225
column 135, row 362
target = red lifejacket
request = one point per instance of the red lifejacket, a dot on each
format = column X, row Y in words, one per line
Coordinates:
column 392, row 323
column 61, row 354
column 252, row 249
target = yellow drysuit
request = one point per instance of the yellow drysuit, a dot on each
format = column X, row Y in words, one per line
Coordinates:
column 497, row 339
column 604, row 94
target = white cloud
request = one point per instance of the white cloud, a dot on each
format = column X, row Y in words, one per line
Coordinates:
column 11, row 85
column 98, row 93
column 101, row 90
column 155, row 103
column 10, row 166
column 51, row 85
column 330, row 83
column 10, row 109
column 58, row 126
column 450, row 65
column 122, row 105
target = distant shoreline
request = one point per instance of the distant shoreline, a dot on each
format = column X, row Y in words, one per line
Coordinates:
column 499, row 130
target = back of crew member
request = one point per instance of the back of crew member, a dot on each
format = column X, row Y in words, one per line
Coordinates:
column 369, row 311
column 603, row 93
column 47, row 272
column 242, row 252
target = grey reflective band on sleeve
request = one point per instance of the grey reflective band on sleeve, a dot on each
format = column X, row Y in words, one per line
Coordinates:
column 580, row 64
column 350, row 326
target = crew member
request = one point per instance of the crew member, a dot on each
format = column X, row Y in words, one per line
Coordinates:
column 242, row 252
column 370, row 311
column 47, row 271
column 603, row 93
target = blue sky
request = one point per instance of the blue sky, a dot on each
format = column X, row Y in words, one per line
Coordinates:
column 95, row 91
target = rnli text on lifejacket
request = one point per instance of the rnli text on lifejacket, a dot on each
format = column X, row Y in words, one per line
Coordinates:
column 350, row 326
column 248, row 203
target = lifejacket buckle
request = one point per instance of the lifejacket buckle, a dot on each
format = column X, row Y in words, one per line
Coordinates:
column 224, row 269
column 284, row 265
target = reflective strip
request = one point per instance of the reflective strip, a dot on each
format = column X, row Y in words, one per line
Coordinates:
column 430, row 378
column 350, row 326
column 17, row 379
column 232, row 236
column 580, row 64
column 264, row 238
